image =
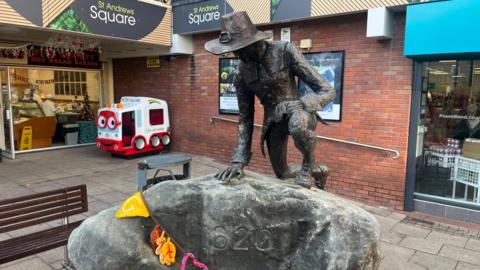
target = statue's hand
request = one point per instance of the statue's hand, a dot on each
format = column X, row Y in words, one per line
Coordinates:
column 225, row 175
column 286, row 108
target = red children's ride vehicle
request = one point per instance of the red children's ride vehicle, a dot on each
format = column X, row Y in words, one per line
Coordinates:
column 135, row 125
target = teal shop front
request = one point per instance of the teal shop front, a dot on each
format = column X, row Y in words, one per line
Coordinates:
column 443, row 171
column 443, row 29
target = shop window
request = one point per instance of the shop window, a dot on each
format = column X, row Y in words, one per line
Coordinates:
column 50, row 104
column 70, row 83
column 448, row 138
column 156, row 117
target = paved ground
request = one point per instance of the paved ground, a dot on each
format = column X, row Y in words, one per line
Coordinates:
column 406, row 241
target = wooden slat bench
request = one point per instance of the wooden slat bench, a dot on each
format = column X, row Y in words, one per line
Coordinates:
column 27, row 211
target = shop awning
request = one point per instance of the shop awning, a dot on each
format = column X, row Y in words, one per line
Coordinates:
column 443, row 29
column 144, row 21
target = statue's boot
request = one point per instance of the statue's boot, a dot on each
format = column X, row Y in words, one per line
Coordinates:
column 319, row 173
column 303, row 179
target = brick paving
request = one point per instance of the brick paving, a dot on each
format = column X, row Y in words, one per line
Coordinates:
column 408, row 240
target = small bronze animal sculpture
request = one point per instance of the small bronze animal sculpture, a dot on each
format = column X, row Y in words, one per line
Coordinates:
column 267, row 70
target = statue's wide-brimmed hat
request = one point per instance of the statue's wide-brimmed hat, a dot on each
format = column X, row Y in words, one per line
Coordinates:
column 237, row 32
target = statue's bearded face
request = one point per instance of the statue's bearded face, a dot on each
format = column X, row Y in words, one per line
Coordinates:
column 250, row 53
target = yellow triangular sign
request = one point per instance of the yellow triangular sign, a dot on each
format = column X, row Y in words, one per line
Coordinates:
column 133, row 207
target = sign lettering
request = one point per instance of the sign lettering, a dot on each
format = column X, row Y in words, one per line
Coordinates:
column 199, row 16
column 62, row 57
column 112, row 14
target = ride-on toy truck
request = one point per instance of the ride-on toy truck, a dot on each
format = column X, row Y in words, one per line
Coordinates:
column 133, row 126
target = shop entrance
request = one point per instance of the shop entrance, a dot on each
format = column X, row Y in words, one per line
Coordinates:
column 45, row 108
column 6, row 137
column 448, row 134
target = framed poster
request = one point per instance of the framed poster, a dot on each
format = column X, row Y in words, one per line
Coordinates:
column 330, row 65
column 228, row 70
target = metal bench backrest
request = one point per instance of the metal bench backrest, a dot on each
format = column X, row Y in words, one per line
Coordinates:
column 30, row 210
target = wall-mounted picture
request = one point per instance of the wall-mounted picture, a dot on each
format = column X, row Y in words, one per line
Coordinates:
column 228, row 70
column 330, row 65
column 290, row 9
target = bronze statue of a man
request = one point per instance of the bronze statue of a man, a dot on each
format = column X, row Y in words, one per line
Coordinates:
column 267, row 70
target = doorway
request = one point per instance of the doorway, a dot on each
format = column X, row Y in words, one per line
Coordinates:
column 128, row 128
column 6, row 136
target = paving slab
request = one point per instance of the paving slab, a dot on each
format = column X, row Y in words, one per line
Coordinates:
column 69, row 181
column 32, row 264
column 421, row 244
column 460, row 254
column 410, row 230
column 52, row 255
column 433, row 262
column 467, row 266
column 447, row 239
column 111, row 182
column 378, row 210
column 33, row 179
column 394, row 257
column 29, row 230
column 57, row 175
column 391, row 237
column 386, row 223
column 57, row 265
column 14, row 190
column 473, row 244
column 43, row 186
column 397, row 216
column 129, row 188
column 97, row 206
column 113, row 197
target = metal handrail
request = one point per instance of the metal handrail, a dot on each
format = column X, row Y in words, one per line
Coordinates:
column 396, row 156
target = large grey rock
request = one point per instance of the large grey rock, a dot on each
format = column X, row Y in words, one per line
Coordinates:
column 253, row 223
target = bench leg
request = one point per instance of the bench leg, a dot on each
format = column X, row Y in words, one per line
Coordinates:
column 67, row 264
column 142, row 179
column 187, row 172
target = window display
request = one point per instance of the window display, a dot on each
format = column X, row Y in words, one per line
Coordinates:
column 448, row 145
column 24, row 110
column 57, row 105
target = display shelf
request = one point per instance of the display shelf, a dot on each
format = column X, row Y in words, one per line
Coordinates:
column 467, row 172
column 433, row 159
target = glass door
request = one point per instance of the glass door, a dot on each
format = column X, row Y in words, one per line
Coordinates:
column 6, row 132
column 448, row 138
column 2, row 120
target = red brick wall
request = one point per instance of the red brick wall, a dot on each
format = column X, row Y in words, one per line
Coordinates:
column 132, row 78
column 376, row 106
